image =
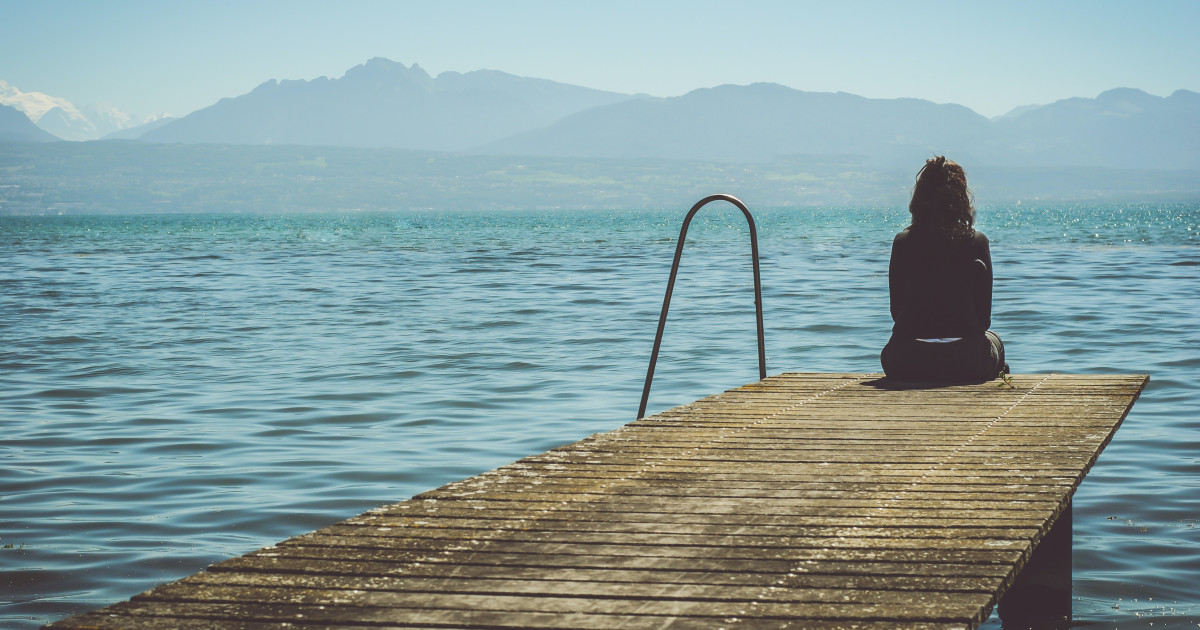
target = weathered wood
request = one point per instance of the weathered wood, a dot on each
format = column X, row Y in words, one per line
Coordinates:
column 800, row 501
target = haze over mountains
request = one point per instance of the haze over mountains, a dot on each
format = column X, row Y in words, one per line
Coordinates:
column 382, row 103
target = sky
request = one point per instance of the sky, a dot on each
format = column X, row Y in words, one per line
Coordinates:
column 177, row 56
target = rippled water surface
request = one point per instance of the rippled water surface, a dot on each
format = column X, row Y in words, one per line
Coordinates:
column 177, row 390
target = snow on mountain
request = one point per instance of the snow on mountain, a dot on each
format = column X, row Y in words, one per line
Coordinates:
column 34, row 104
column 63, row 119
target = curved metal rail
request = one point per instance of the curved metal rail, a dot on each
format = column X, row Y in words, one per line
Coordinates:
column 662, row 319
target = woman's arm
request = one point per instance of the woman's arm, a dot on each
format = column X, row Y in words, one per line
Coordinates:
column 895, row 283
column 983, row 290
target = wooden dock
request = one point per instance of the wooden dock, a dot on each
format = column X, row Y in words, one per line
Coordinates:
column 800, row 501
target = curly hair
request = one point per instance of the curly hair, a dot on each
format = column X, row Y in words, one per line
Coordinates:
column 941, row 201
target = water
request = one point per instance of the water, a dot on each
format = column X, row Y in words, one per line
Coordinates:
column 176, row 390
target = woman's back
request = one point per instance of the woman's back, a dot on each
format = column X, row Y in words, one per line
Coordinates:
column 937, row 289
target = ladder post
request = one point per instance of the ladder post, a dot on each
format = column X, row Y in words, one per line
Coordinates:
column 662, row 318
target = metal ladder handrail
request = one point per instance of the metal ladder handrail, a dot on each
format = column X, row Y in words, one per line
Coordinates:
column 662, row 319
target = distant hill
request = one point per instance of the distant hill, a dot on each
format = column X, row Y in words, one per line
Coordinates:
column 68, row 123
column 15, row 126
column 1122, row 128
column 385, row 104
column 756, row 123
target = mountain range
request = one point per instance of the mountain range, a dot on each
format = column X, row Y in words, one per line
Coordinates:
column 382, row 103
column 1120, row 128
column 754, row 123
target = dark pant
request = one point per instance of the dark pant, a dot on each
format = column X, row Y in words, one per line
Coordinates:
column 970, row 360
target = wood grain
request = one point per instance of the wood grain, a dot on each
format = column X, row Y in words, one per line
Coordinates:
column 800, row 501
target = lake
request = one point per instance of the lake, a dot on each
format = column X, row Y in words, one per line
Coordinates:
column 176, row 390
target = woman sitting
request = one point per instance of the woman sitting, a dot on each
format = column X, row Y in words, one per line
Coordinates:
column 940, row 281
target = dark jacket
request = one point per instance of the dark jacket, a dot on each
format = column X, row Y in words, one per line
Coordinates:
column 937, row 289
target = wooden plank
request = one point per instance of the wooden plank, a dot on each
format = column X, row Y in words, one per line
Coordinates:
column 803, row 500
column 390, row 562
column 137, row 615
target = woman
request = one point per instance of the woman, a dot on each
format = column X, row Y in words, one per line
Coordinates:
column 940, row 280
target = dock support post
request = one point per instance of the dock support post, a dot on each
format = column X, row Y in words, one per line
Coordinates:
column 1040, row 599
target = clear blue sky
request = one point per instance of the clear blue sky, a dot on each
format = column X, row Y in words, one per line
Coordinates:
column 177, row 56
